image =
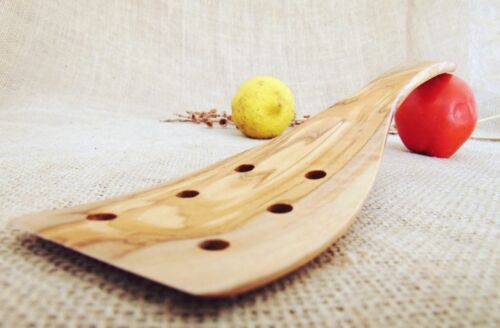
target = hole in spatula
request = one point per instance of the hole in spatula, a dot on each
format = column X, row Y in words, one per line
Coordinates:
column 188, row 194
column 280, row 208
column 316, row 174
column 245, row 168
column 101, row 216
column 214, row 245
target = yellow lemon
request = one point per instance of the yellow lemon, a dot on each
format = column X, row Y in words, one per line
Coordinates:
column 263, row 107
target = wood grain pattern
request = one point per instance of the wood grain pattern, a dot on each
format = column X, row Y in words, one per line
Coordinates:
column 212, row 233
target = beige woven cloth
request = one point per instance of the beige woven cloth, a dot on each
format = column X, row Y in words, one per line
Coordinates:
column 83, row 85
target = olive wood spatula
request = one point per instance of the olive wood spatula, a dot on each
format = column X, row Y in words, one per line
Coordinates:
column 254, row 217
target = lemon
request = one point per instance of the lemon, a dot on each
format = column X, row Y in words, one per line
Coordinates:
column 263, row 107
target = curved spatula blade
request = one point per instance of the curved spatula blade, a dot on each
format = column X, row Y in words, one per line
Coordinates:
column 253, row 217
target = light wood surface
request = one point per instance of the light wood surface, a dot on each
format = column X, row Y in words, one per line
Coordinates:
column 216, row 232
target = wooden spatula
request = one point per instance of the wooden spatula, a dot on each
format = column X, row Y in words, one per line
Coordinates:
column 249, row 219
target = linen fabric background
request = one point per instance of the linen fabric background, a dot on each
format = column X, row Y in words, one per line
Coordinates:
column 83, row 85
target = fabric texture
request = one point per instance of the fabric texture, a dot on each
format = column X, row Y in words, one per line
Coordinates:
column 83, row 85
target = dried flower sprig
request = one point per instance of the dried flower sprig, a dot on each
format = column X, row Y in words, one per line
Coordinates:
column 393, row 130
column 214, row 117
column 299, row 121
column 209, row 118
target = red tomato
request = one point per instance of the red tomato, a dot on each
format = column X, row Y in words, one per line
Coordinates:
column 437, row 117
